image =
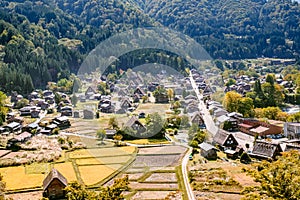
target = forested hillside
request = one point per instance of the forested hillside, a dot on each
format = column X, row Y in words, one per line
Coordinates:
column 234, row 29
column 45, row 41
column 42, row 41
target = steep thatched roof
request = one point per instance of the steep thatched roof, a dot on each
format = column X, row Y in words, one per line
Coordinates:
column 54, row 174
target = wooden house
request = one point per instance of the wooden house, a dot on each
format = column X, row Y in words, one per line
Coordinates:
column 255, row 127
column 61, row 122
column 208, row 151
column 125, row 103
column 139, row 91
column 13, row 142
column 89, row 92
column 66, row 111
column 265, row 150
column 136, row 125
column 196, row 118
column 88, row 114
column 54, row 185
column 13, row 127
column 225, row 140
column 161, row 98
column 292, row 130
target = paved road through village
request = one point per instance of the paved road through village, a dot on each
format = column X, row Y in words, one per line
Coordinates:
column 210, row 125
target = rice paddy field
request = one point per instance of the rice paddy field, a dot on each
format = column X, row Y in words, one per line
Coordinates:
column 87, row 166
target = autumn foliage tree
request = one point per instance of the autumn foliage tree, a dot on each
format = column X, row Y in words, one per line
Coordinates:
column 235, row 102
column 278, row 179
column 76, row 191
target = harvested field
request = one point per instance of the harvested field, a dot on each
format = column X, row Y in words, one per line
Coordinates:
column 153, row 174
column 162, row 150
column 156, row 160
column 88, row 161
column 16, row 178
column 37, row 168
column 4, row 152
column 26, row 196
column 67, row 170
column 103, row 160
column 152, row 108
column 169, row 186
column 93, row 174
column 216, row 196
column 101, row 152
column 148, row 141
column 134, row 177
column 157, row 195
column 162, row 177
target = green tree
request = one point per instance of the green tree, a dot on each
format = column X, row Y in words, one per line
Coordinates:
column 3, row 108
column 278, row 179
column 101, row 133
column 245, row 158
column 245, row 107
column 219, row 65
column 74, row 100
column 185, row 121
column 294, row 117
column 113, row 123
column 102, row 88
column 230, row 82
column 155, row 125
column 22, row 103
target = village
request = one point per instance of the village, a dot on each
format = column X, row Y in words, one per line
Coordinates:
column 155, row 110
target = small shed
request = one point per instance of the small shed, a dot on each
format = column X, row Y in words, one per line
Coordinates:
column 76, row 114
column 208, row 151
column 54, row 185
column 88, row 114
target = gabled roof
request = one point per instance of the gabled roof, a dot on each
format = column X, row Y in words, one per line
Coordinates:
column 23, row 136
column 221, row 137
column 190, row 97
column 54, row 174
column 90, row 90
column 196, row 114
column 259, row 129
column 222, row 118
column 140, row 91
column 206, row 147
column 125, row 100
column 265, row 149
column 13, row 125
column 133, row 120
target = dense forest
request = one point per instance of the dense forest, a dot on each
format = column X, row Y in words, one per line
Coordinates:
column 42, row 41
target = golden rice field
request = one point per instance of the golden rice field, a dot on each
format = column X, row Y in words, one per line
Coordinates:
column 95, row 173
column 16, row 178
column 67, row 170
column 91, row 165
column 103, row 160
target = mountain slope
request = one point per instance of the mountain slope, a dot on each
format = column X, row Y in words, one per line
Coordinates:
column 47, row 40
column 234, row 29
column 42, row 41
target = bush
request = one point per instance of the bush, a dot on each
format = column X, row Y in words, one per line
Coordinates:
column 245, row 158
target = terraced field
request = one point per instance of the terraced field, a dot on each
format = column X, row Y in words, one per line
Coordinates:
column 80, row 165
column 155, row 173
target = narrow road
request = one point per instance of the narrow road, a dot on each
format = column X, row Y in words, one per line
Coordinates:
column 185, row 175
column 210, row 125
